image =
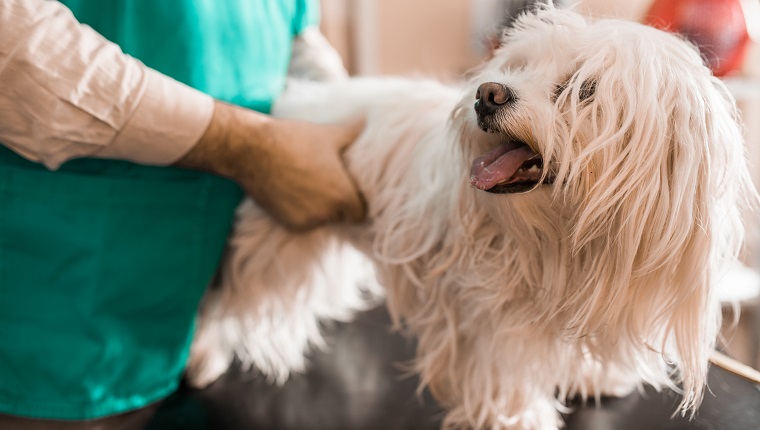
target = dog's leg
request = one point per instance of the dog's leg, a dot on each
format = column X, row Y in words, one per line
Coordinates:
column 489, row 379
column 276, row 289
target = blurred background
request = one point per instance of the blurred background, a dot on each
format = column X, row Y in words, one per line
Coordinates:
column 443, row 39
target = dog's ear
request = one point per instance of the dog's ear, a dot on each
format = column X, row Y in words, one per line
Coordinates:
column 655, row 172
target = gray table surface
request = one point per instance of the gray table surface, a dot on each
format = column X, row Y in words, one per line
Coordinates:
column 359, row 384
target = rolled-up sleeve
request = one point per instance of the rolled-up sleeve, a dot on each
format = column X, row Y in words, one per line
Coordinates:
column 66, row 92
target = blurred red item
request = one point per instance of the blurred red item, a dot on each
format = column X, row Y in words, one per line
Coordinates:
column 718, row 27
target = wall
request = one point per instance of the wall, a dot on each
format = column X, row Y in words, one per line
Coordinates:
column 401, row 37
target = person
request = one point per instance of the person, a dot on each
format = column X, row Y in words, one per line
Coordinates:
column 119, row 176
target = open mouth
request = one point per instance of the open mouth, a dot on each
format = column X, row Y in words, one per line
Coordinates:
column 511, row 167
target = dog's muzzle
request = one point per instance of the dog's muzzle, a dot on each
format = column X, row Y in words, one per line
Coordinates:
column 512, row 166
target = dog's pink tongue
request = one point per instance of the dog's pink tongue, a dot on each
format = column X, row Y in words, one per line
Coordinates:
column 498, row 165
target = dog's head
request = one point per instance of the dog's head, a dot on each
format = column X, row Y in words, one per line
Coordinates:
column 614, row 158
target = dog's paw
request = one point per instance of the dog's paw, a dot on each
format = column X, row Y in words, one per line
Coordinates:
column 205, row 368
column 208, row 359
column 608, row 381
column 619, row 386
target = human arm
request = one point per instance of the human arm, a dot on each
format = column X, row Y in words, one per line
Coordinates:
column 293, row 169
column 66, row 92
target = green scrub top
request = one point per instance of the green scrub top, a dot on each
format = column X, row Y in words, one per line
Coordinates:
column 103, row 263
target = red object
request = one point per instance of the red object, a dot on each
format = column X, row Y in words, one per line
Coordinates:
column 717, row 27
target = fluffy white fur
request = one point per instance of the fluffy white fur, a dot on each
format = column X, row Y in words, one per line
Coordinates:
column 595, row 284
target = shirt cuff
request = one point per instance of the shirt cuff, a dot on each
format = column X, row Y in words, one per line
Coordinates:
column 169, row 120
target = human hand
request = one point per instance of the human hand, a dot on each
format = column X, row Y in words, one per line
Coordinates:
column 293, row 169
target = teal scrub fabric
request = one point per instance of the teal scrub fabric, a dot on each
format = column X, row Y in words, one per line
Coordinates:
column 103, row 263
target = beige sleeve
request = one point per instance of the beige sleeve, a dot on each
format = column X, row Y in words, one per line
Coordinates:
column 66, row 92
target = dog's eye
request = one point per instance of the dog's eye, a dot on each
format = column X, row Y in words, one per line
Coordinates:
column 558, row 89
column 588, row 88
column 586, row 91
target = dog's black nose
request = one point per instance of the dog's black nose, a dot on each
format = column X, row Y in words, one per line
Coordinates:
column 492, row 96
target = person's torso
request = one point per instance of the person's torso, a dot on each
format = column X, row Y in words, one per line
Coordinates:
column 235, row 50
column 103, row 262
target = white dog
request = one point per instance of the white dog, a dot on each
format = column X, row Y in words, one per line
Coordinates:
column 561, row 238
